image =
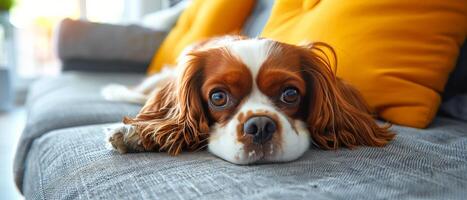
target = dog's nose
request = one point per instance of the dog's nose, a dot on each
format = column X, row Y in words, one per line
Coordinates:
column 261, row 127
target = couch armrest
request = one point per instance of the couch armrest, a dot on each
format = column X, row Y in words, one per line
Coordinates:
column 132, row 46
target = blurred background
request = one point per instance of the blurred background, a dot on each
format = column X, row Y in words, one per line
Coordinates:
column 30, row 24
column 27, row 53
column 35, row 21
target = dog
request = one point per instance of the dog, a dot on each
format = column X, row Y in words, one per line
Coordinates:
column 249, row 101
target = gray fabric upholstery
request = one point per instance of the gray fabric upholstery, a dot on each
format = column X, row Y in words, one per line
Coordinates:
column 456, row 107
column 6, row 88
column 62, row 155
column 257, row 20
column 457, row 82
column 93, row 41
column 72, row 99
column 424, row 164
column 95, row 65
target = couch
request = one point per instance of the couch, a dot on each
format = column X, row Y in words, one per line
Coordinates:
column 62, row 154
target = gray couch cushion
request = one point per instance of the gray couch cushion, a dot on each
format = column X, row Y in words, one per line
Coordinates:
column 95, row 65
column 86, row 40
column 457, row 82
column 424, row 164
column 257, row 20
column 455, row 107
column 72, row 99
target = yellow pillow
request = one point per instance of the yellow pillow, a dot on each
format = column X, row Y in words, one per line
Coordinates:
column 202, row 19
column 398, row 53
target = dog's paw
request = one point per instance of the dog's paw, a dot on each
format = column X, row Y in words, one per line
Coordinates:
column 114, row 139
column 123, row 138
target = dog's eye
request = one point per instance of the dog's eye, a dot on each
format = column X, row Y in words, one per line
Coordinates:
column 290, row 96
column 219, row 98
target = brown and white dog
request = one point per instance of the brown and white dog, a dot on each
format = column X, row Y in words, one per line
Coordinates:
column 248, row 101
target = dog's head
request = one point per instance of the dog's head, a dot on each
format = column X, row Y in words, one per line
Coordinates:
column 258, row 100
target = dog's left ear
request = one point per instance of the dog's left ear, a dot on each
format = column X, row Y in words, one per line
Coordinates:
column 337, row 114
column 174, row 119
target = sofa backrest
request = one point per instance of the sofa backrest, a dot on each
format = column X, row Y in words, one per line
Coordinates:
column 258, row 18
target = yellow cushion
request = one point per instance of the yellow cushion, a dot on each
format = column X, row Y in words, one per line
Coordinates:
column 202, row 19
column 398, row 53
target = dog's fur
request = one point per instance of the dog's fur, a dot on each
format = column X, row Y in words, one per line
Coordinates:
column 178, row 113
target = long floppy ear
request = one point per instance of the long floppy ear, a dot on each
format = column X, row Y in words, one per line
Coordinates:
column 174, row 118
column 337, row 113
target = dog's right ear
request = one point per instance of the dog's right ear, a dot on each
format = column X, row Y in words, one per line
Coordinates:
column 174, row 118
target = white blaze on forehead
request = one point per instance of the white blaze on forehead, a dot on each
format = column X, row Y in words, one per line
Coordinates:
column 252, row 52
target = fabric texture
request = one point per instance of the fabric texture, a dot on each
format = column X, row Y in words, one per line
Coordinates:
column 420, row 164
column 94, row 41
column 403, row 48
column 165, row 19
column 456, row 107
column 100, row 65
column 59, row 158
column 457, row 83
column 201, row 20
column 72, row 99
column 255, row 23
column 6, row 94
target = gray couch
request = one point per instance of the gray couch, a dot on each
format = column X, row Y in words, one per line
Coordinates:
column 62, row 154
